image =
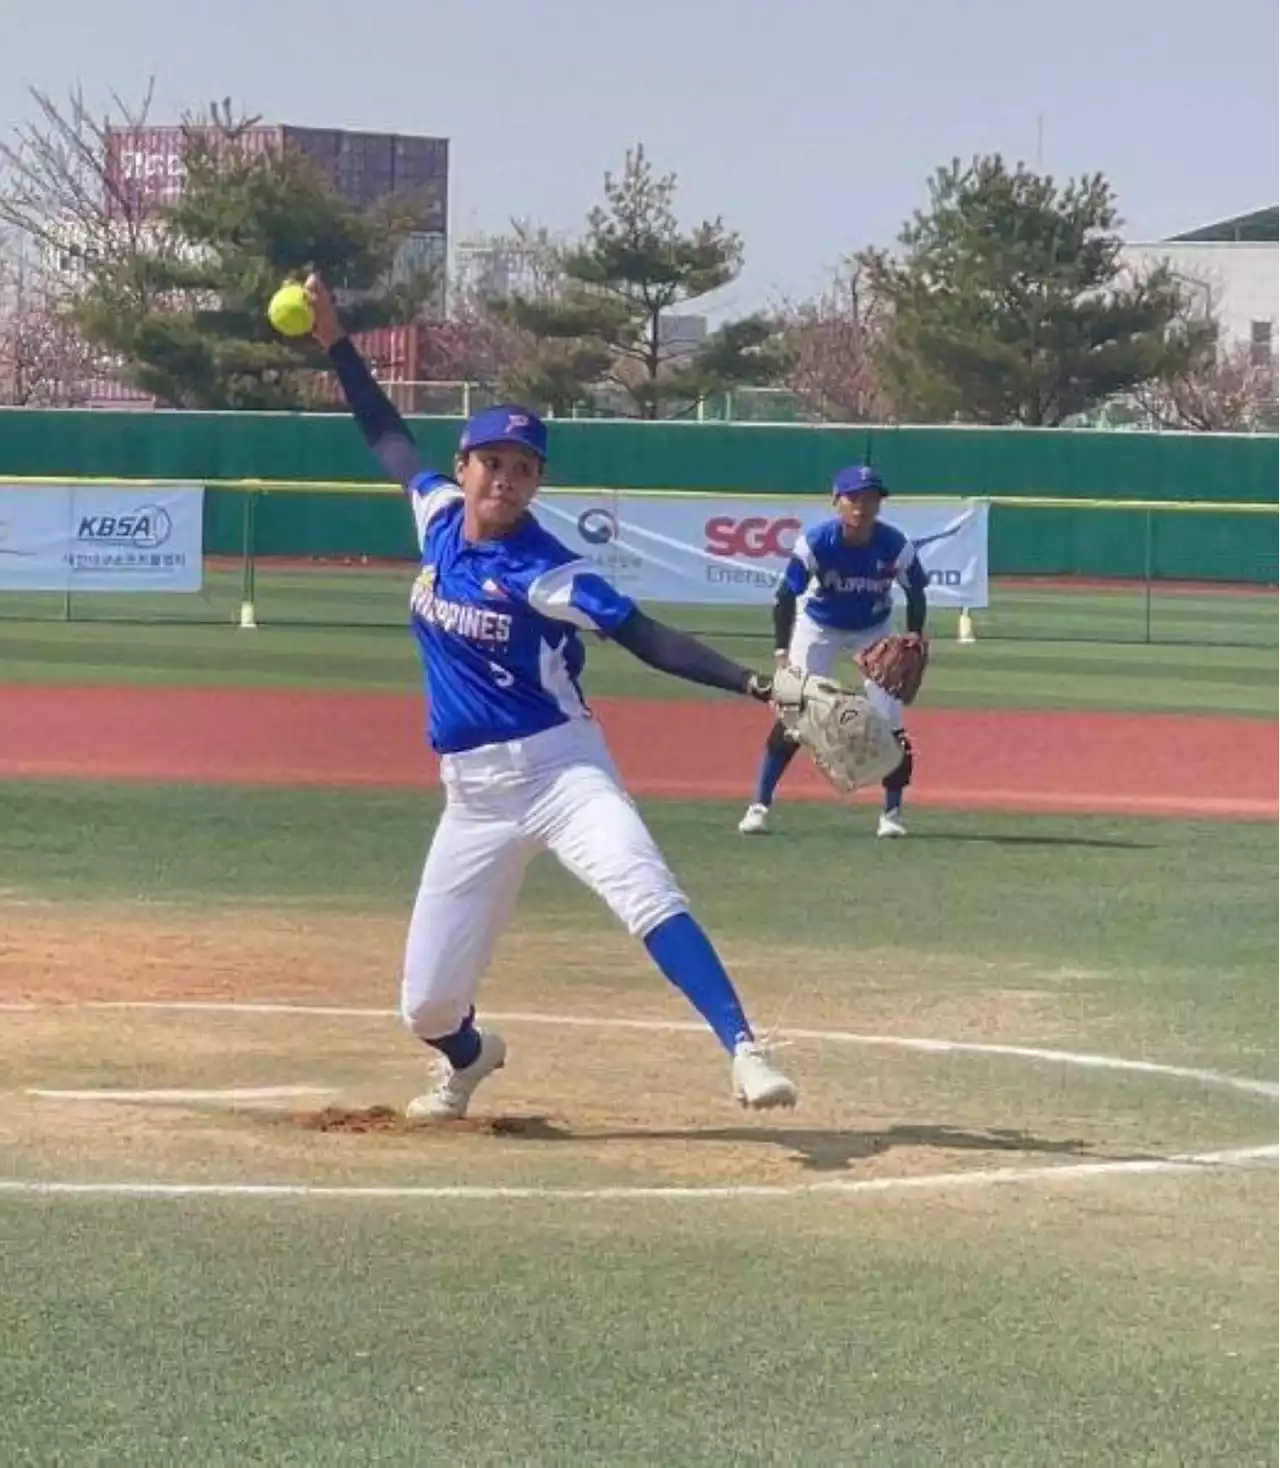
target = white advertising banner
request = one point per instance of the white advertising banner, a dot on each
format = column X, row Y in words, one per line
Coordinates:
column 726, row 550
column 101, row 537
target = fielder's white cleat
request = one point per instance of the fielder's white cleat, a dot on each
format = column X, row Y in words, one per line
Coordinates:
column 756, row 1082
column 450, row 1099
column 891, row 824
column 755, row 820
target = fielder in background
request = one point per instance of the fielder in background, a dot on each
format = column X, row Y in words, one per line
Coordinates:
column 835, row 600
column 498, row 610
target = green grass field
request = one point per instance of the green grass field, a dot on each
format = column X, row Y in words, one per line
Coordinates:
column 848, row 1285
column 345, row 596
column 1036, row 648
column 1075, row 1320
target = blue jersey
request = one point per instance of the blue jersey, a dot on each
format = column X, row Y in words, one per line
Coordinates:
column 497, row 622
column 849, row 588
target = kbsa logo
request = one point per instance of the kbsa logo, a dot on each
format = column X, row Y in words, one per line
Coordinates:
column 146, row 527
column 753, row 539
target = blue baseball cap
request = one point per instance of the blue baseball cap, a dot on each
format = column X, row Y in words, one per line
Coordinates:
column 858, row 479
column 505, row 423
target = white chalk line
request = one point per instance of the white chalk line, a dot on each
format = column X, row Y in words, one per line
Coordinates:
column 1180, row 1164
column 226, row 1094
column 1202, row 1162
column 1084, row 1060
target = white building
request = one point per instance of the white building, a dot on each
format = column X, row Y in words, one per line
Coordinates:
column 519, row 263
column 1234, row 265
column 680, row 335
column 523, row 263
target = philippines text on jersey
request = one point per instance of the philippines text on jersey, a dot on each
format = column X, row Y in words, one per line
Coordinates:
column 833, row 581
column 475, row 623
column 498, row 626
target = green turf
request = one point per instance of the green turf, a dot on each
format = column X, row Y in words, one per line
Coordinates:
column 322, row 1337
column 1162, row 917
column 1079, row 1323
column 1013, row 664
column 1118, row 1322
column 340, row 596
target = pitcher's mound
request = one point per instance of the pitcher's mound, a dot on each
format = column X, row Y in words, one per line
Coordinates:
column 388, row 1119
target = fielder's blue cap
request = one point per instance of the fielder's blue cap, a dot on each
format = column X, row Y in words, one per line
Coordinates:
column 505, row 423
column 858, row 479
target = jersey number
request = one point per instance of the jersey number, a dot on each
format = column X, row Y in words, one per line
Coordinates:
column 503, row 677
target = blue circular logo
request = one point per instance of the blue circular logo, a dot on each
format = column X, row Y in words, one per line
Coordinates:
column 152, row 527
column 598, row 526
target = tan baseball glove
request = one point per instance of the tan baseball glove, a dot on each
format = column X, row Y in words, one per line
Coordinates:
column 849, row 742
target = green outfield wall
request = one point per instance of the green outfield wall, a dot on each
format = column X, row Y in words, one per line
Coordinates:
column 1226, row 470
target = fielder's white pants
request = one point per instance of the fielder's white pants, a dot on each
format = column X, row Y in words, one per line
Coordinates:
column 822, row 650
column 557, row 791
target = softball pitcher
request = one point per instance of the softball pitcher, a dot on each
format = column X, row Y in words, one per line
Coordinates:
column 498, row 608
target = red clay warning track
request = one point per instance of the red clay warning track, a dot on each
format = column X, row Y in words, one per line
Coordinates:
column 1119, row 764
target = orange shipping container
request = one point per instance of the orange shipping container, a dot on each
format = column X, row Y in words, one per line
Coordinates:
column 395, row 353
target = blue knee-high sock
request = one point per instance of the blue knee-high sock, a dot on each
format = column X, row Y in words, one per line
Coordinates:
column 684, row 954
column 462, row 1047
column 778, row 754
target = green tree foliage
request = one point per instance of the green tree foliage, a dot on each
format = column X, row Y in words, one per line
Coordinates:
column 187, row 316
column 634, row 269
column 1009, row 302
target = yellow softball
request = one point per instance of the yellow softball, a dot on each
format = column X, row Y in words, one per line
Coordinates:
column 290, row 311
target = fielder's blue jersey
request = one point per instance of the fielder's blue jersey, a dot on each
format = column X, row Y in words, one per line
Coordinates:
column 849, row 588
column 497, row 622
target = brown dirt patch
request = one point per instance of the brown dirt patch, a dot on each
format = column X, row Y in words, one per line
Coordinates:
column 358, row 1121
column 576, row 1106
column 318, row 956
column 572, row 1108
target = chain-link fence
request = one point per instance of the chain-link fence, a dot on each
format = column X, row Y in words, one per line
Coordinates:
column 309, row 554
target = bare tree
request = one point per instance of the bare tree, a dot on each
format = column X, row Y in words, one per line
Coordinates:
column 63, row 187
column 68, row 201
column 1219, row 387
column 44, row 360
column 479, row 340
column 471, row 345
column 77, row 200
column 1228, row 392
column 831, row 343
column 474, row 342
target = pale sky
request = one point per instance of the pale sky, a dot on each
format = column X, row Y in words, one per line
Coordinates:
column 810, row 125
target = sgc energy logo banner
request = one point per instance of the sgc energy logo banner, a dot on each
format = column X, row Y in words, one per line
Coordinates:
column 719, row 549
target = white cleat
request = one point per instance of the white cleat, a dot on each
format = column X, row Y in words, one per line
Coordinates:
column 756, row 1082
column 890, row 825
column 755, row 821
column 450, row 1099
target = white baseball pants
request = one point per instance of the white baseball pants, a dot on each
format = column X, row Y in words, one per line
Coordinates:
column 557, row 791
column 820, row 649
